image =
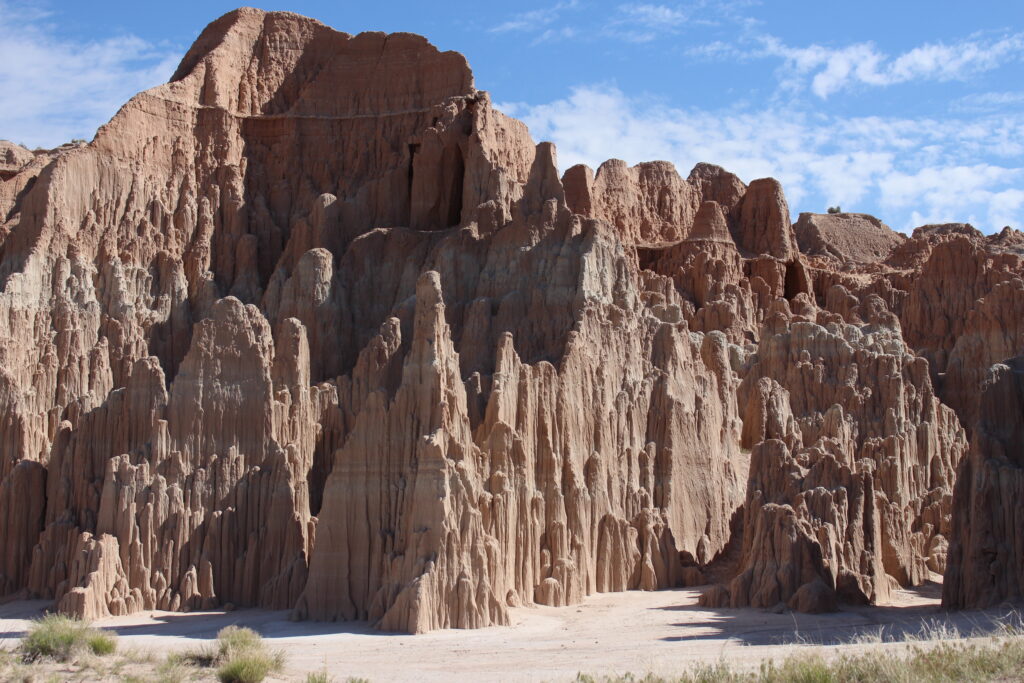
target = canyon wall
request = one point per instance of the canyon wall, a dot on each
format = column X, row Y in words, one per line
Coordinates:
column 313, row 326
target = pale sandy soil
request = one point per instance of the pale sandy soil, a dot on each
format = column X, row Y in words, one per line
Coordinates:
column 662, row 633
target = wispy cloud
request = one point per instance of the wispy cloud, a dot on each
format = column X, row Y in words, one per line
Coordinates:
column 827, row 70
column 653, row 15
column 987, row 102
column 57, row 89
column 641, row 23
column 910, row 171
column 635, row 22
column 535, row 21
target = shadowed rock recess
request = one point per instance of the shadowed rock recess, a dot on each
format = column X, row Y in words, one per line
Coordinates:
column 314, row 327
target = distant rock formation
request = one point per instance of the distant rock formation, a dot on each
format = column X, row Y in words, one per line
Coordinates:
column 314, row 327
column 12, row 159
column 847, row 237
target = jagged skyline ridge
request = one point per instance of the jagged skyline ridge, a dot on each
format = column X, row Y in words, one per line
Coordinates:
column 916, row 119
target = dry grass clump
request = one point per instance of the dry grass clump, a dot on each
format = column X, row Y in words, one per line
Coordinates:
column 950, row 660
column 242, row 658
column 61, row 638
column 238, row 656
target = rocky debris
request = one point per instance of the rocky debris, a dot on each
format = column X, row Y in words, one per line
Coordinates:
column 846, row 237
column 317, row 328
column 1008, row 239
column 937, row 232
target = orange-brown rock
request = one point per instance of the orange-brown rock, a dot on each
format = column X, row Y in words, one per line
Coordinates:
column 855, row 237
column 872, row 489
column 763, row 225
column 211, row 354
column 13, row 158
column 986, row 555
column 313, row 327
column 649, row 203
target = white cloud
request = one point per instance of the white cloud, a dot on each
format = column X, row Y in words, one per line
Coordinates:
column 56, row 89
column 957, row 194
column 1006, row 208
column 907, row 171
column 830, row 70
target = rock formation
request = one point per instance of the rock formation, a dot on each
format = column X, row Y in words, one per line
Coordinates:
column 848, row 237
column 12, row 159
column 987, row 556
column 313, row 326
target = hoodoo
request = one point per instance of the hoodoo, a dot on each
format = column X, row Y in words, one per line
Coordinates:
column 313, row 326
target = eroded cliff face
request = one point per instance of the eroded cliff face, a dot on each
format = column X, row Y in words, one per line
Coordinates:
column 313, row 326
column 986, row 555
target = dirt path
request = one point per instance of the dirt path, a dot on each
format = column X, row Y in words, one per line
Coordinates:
column 662, row 632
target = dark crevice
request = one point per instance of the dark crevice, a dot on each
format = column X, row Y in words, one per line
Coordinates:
column 413, row 149
column 796, row 281
column 455, row 194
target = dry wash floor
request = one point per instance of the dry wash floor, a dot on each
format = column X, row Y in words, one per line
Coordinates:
column 662, row 633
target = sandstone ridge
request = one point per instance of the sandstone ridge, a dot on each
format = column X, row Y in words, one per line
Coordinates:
column 313, row 326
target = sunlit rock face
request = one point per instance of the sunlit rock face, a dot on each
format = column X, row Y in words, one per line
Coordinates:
column 314, row 327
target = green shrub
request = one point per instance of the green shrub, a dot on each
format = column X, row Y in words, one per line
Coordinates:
column 101, row 643
column 318, row 677
column 242, row 657
column 60, row 637
column 232, row 640
column 249, row 667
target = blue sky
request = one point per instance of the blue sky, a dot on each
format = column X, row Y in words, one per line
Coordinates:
column 907, row 109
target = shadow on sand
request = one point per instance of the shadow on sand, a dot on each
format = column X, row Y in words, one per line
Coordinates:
column 193, row 625
column 916, row 616
column 924, row 619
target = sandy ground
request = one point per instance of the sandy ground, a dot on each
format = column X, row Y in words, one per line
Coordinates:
column 663, row 632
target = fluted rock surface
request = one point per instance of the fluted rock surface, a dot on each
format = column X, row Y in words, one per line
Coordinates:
column 313, row 326
column 987, row 555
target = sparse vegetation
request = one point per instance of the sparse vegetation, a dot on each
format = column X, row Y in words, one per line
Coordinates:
column 101, row 643
column 988, row 659
column 249, row 667
column 232, row 640
column 59, row 648
column 835, row 209
column 174, row 669
column 241, row 657
column 59, row 637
